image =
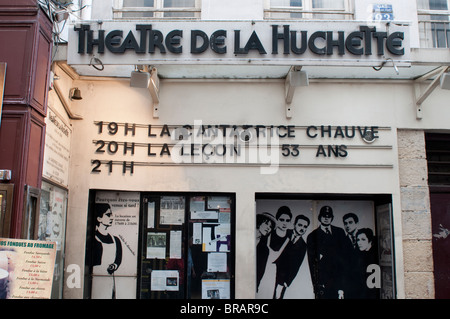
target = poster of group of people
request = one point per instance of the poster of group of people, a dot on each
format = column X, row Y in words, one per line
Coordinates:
column 316, row 250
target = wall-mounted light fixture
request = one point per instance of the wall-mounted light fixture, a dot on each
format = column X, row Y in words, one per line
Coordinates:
column 445, row 81
column 139, row 78
column 75, row 94
column 146, row 76
column 60, row 15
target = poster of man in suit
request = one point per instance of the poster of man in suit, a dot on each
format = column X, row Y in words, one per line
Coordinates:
column 327, row 250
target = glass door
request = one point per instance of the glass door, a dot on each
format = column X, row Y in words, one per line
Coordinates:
column 187, row 247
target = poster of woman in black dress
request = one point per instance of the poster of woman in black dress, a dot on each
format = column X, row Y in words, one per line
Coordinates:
column 114, row 244
column 107, row 248
column 317, row 249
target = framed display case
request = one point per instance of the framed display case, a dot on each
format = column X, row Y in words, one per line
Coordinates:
column 161, row 245
column 6, row 198
column 30, row 222
column 52, row 227
column 187, row 247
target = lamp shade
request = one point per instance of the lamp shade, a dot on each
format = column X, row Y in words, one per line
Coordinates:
column 298, row 78
column 445, row 81
column 139, row 79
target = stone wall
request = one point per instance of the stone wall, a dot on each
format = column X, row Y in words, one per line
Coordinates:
column 416, row 215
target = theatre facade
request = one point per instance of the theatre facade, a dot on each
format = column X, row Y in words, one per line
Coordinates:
column 250, row 159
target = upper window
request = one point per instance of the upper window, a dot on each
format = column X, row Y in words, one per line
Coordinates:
column 309, row 9
column 157, row 9
column 434, row 23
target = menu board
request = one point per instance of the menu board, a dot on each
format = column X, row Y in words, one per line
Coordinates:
column 26, row 268
column 57, row 149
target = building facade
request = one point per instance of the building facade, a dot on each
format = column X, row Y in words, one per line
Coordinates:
column 201, row 149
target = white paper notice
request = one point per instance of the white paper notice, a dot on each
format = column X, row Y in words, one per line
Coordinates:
column 217, row 262
column 165, row 280
column 219, row 203
column 175, row 244
column 197, row 234
column 172, row 210
column 151, row 215
column 156, row 245
column 216, row 289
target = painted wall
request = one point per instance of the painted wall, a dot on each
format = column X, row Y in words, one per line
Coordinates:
column 233, row 102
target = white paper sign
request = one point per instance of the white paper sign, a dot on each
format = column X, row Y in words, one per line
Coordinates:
column 217, row 262
column 165, row 280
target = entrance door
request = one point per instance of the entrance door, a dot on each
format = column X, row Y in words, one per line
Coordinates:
column 438, row 159
column 440, row 213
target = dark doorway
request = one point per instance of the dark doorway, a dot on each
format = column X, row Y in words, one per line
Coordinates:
column 438, row 157
column 440, row 212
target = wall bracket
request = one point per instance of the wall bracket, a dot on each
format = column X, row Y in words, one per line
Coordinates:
column 153, row 87
column 295, row 78
column 419, row 96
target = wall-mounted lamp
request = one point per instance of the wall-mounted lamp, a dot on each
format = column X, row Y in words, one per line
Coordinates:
column 139, row 79
column 60, row 15
column 75, row 94
column 445, row 81
column 146, row 76
column 298, row 78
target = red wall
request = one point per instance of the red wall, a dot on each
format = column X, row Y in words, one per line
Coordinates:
column 25, row 45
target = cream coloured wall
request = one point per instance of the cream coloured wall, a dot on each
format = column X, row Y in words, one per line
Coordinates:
column 327, row 102
column 240, row 102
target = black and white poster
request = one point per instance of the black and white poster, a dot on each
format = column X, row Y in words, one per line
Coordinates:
column 309, row 249
column 115, row 244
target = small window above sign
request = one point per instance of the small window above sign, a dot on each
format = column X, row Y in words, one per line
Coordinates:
column 382, row 12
